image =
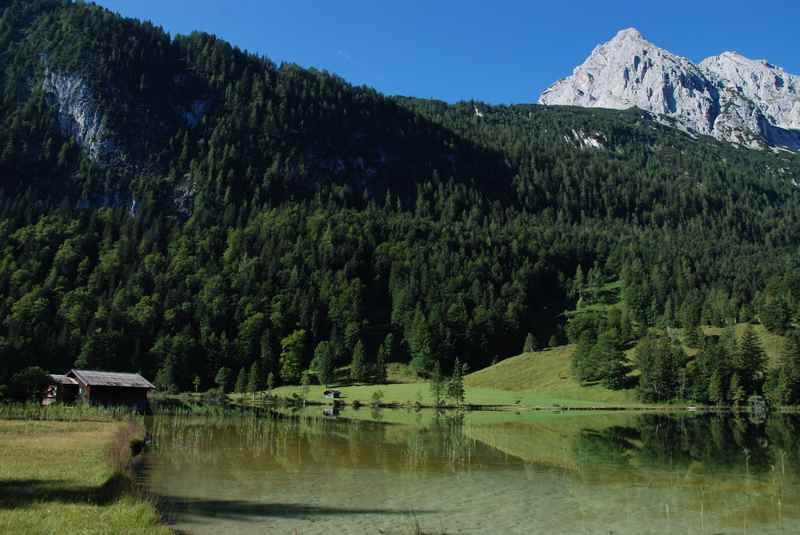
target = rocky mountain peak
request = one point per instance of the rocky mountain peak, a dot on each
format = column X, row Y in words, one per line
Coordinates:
column 731, row 97
column 629, row 34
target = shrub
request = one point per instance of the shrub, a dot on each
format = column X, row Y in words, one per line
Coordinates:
column 28, row 384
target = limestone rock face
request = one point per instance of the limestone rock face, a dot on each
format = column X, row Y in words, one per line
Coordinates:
column 730, row 97
column 773, row 90
column 78, row 114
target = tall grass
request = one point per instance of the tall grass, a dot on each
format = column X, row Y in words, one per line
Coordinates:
column 65, row 413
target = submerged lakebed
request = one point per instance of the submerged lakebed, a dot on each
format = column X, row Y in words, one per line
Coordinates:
column 396, row 471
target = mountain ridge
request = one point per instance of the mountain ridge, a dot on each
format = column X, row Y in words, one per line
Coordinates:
column 747, row 102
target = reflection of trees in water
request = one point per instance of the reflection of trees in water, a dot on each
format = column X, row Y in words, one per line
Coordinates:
column 719, row 442
column 442, row 443
column 293, row 443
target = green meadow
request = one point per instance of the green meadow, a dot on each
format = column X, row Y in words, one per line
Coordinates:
column 70, row 477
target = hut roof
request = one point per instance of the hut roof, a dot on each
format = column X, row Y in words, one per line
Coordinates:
column 95, row 378
column 62, row 380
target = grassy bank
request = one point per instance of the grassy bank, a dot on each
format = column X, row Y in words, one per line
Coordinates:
column 531, row 380
column 70, row 477
column 540, row 379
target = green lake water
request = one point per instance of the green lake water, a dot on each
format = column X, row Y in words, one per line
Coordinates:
column 406, row 472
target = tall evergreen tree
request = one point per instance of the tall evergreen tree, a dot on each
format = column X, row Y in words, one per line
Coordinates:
column 530, row 344
column 358, row 366
column 789, row 370
column 254, row 379
column 750, row 363
column 241, row 381
column 455, row 386
column 323, row 362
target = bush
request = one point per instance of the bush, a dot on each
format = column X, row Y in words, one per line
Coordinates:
column 28, row 384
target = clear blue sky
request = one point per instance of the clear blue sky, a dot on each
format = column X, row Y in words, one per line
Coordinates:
column 496, row 51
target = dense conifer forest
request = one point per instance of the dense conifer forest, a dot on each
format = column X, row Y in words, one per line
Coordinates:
column 245, row 215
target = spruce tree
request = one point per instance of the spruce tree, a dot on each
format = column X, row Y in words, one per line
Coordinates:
column 292, row 355
column 323, row 362
column 165, row 378
column 694, row 336
column 380, row 365
column 750, row 363
column 241, row 381
column 223, row 379
column 736, row 391
column 716, row 389
column 358, row 365
column 437, row 385
column 789, row 370
column 254, row 379
column 530, row 344
column 455, row 387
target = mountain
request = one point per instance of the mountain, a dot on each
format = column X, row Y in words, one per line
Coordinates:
column 733, row 98
column 174, row 205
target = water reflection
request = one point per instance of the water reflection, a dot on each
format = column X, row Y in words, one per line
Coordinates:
column 396, row 472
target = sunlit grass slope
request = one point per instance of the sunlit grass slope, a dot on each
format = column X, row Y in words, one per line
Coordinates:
column 537, row 379
column 55, row 477
column 545, row 374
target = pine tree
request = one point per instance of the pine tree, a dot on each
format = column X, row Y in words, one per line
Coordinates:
column 358, row 365
column 716, row 389
column 270, row 382
column 292, row 348
column 578, row 284
column 241, row 381
column 530, row 344
column 437, row 385
column 165, row 378
column 694, row 337
column 455, row 387
column 420, row 343
column 223, row 378
column 737, row 391
column 380, row 365
column 254, row 379
column 750, row 363
column 323, row 362
column 789, row 370
column 305, row 383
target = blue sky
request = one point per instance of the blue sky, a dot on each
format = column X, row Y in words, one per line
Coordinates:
column 496, row 51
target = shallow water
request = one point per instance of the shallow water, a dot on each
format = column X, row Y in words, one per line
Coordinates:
column 568, row 473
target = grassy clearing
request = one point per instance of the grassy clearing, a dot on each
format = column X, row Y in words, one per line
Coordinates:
column 771, row 342
column 533, row 380
column 545, row 375
column 64, row 477
column 539, row 379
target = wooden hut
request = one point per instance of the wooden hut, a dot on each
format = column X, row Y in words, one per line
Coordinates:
column 111, row 388
column 61, row 389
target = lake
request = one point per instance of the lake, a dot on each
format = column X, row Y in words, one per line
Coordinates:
column 397, row 471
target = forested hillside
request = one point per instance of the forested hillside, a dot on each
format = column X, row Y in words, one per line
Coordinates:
column 176, row 205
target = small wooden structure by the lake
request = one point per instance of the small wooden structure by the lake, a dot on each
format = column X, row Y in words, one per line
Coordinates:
column 332, row 394
column 101, row 388
column 62, row 389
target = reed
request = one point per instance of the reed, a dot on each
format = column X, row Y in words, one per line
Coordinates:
column 65, row 413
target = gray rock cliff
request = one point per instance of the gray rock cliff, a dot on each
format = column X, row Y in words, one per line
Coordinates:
column 78, row 115
column 733, row 98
